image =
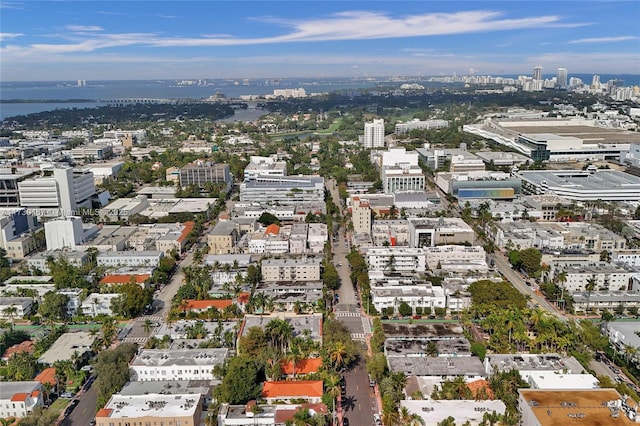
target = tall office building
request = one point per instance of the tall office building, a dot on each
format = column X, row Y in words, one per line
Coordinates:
column 374, row 134
column 595, row 81
column 561, row 77
column 537, row 73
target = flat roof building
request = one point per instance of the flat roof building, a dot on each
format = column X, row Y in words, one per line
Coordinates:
column 183, row 409
column 66, row 345
column 176, row 364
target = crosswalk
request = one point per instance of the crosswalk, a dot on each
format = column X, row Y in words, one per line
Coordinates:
column 346, row 314
column 135, row 339
column 156, row 318
column 358, row 336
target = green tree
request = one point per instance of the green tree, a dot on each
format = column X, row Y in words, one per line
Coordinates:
column 132, row 300
column 268, row 219
column 531, row 259
column 240, row 381
column 112, row 370
column 330, row 277
column 404, row 309
column 22, row 366
column 54, row 306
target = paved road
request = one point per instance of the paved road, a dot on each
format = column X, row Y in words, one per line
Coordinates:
column 518, row 282
column 359, row 403
column 85, row 411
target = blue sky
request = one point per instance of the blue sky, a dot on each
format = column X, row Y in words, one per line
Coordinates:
column 68, row 40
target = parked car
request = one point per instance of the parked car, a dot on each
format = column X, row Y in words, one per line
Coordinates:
column 372, row 381
column 377, row 420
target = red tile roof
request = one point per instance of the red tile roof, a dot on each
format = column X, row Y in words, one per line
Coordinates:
column 304, row 366
column 48, row 375
column 272, row 229
column 293, row 389
column 20, row 397
column 188, row 226
column 285, row 414
column 124, row 279
column 104, row 412
column 26, row 346
column 476, row 385
column 206, row 304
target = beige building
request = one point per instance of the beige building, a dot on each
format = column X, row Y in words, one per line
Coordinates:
column 151, row 409
column 361, row 215
column 291, row 269
column 20, row 247
column 223, row 238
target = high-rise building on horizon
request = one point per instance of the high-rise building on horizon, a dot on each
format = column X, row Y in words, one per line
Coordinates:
column 537, row 73
column 595, row 81
column 561, row 77
column 374, row 134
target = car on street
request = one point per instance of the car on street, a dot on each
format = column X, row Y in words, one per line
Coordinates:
column 372, row 381
column 377, row 420
column 70, row 407
column 615, row 369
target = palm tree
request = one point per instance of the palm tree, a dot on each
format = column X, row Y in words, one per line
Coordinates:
column 294, row 357
column 146, row 326
column 409, row 419
column 10, row 311
column 337, row 353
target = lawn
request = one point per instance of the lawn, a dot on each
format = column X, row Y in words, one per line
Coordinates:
column 59, row 405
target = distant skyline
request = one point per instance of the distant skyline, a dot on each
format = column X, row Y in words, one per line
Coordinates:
column 114, row 40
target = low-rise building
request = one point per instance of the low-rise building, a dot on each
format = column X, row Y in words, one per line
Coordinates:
column 531, row 364
column 470, row 412
column 309, row 390
column 39, row 261
column 592, row 406
column 623, row 335
column 425, row 296
column 74, row 299
column 98, row 304
column 456, row 258
column 399, row 259
column 427, row 232
column 610, row 300
column 176, row 364
column 284, row 190
column 302, row 325
column 291, row 269
column 439, row 368
column 15, row 307
column 19, row 399
column 130, row 258
column 160, row 409
column 266, row 415
column 67, row 345
column 553, row 380
column 223, row 238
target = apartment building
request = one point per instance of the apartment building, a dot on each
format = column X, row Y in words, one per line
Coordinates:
column 176, row 364
column 19, row 399
column 151, row 409
column 291, row 269
column 200, row 174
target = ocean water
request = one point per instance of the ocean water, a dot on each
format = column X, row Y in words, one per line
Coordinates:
column 49, row 93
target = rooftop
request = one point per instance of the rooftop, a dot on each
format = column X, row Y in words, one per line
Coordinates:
column 169, row 387
column 533, row 362
column 555, row 407
column 292, row 389
column 151, row 405
column 441, row 366
column 434, row 411
column 66, row 345
column 170, row 357
column 8, row 389
column 601, row 180
column 425, row 331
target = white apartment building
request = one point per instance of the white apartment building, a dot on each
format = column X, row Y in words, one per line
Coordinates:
column 15, row 307
column 415, row 124
column 98, row 304
column 396, row 259
column 456, row 257
column 630, row 258
column 425, row 232
column 176, row 364
column 265, row 242
column 402, row 178
column 291, row 269
column 606, row 276
column 285, row 190
column 63, row 232
column 182, row 409
column 74, row 299
column 19, row 399
column 39, row 261
column 66, row 190
column 264, row 166
column 421, row 295
column 114, row 259
column 374, row 134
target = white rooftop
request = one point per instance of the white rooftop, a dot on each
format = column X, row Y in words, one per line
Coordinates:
column 152, row 405
column 433, row 412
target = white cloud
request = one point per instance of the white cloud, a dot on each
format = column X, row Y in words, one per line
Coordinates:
column 9, row 36
column 84, row 28
column 352, row 25
column 603, row 39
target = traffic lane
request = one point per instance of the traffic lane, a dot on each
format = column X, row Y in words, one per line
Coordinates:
column 359, row 403
column 346, row 292
column 516, row 280
column 601, row 369
column 86, row 410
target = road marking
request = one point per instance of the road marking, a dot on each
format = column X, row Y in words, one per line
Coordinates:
column 357, row 387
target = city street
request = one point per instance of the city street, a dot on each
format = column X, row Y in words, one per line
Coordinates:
column 359, row 404
column 85, row 411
